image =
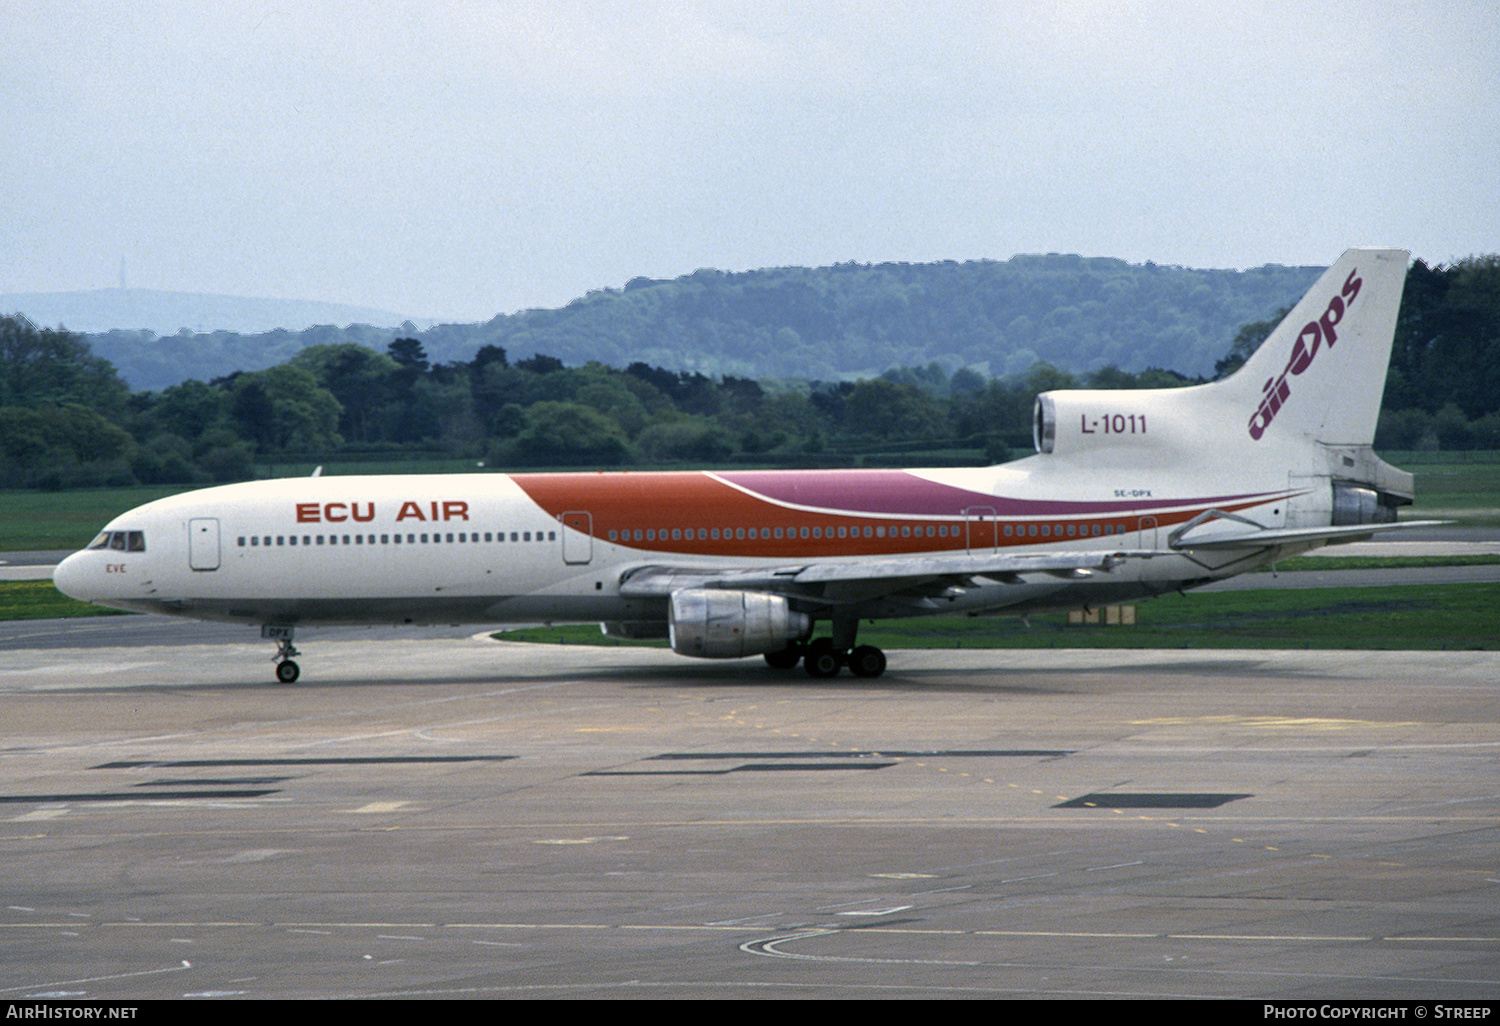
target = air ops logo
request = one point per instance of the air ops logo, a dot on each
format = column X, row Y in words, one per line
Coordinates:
column 1314, row 335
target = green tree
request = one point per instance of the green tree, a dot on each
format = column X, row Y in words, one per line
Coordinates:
column 284, row 408
column 362, row 380
column 568, row 434
column 887, row 410
column 54, row 367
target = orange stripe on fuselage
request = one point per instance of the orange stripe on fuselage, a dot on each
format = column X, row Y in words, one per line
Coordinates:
column 693, row 502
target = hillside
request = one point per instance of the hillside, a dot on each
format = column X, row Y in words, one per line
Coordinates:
column 823, row 323
column 166, row 313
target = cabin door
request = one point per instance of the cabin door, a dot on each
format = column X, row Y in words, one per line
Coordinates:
column 577, row 537
column 203, row 543
column 1148, row 532
column 980, row 528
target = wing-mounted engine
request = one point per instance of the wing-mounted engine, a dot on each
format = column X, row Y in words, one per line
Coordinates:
column 718, row 624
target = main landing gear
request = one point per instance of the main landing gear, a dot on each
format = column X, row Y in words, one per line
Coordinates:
column 824, row 657
column 287, row 671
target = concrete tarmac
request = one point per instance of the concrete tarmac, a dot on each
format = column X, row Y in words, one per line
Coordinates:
column 465, row 818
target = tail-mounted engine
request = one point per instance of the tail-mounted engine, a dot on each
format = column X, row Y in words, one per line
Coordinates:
column 1123, row 421
column 712, row 624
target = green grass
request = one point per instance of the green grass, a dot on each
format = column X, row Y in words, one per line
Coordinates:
column 1458, row 616
column 1462, row 486
column 39, row 600
column 66, row 520
column 348, row 468
column 1377, row 562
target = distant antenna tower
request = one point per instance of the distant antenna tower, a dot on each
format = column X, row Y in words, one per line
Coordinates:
column 122, row 274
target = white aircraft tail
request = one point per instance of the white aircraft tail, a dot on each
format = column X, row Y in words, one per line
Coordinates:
column 1321, row 374
column 1305, row 405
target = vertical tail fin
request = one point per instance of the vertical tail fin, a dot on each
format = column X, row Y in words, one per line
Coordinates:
column 1321, row 374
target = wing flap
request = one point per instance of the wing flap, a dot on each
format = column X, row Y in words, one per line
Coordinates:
column 898, row 573
column 1295, row 536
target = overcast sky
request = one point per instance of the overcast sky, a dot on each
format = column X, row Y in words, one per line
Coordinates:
column 458, row 160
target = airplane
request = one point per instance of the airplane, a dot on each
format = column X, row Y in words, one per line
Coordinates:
column 1130, row 495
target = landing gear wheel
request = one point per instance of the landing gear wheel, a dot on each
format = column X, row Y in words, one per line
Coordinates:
column 821, row 660
column 786, row 658
column 867, row 661
column 287, row 671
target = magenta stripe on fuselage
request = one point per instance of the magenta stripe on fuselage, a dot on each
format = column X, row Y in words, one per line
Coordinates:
column 899, row 493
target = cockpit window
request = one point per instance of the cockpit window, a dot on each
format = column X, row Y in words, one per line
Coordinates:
column 123, row 541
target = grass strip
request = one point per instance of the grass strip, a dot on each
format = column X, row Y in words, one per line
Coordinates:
column 1378, row 562
column 1401, row 617
column 39, row 600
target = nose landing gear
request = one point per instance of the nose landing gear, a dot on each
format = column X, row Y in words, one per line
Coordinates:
column 286, row 670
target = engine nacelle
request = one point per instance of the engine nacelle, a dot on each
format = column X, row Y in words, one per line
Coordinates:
column 1147, row 426
column 1353, row 504
column 713, row 624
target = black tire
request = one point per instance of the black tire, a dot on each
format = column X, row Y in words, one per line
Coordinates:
column 786, row 658
column 867, row 661
column 821, row 660
column 287, row 671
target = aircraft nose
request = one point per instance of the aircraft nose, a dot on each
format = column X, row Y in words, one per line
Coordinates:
column 71, row 577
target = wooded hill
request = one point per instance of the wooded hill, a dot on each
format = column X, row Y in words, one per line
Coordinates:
column 826, row 323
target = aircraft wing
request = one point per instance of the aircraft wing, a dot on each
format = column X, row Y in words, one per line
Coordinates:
column 873, row 576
